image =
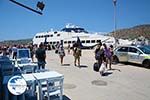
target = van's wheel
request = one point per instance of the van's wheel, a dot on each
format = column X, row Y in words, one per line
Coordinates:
column 146, row 63
column 115, row 59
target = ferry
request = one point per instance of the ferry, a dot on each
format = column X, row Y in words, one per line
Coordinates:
column 69, row 35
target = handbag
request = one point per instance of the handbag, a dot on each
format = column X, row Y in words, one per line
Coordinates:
column 102, row 68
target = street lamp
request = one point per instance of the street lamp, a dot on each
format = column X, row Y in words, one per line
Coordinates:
column 40, row 5
column 115, row 26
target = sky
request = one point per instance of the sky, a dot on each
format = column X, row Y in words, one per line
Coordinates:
column 94, row 15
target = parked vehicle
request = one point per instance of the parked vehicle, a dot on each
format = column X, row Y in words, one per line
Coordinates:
column 133, row 54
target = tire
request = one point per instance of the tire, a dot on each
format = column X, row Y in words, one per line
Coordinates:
column 146, row 63
column 115, row 59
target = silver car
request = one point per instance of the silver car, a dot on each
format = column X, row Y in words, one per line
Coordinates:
column 133, row 54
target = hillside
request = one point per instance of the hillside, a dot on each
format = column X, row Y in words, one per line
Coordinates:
column 21, row 41
column 133, row 32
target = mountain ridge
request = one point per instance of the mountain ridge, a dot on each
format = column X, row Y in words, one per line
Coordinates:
column 133, row 32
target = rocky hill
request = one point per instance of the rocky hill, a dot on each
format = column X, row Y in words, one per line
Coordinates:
column 133, row 32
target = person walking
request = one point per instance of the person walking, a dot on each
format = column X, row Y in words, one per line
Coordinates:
column 99, row 53
column 68, row 48
column 32, row 52
column 61, row 53
column 14, row 50
column 41, row 56
column 107, row 56
column 99, row 57
column 77, row 54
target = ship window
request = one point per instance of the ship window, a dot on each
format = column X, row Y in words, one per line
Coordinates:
column 55, row 32
column 50, row 42
column 83, row 41
column 92, row 41
column 69, row 41
column 46, row 35
column 73, row 41
column 58, row 34
column 87, row 41
column 57, row 41
column 65, row 42
column 98, row 41
column 42, row 36
column 51, row 35
column 77, row 30
column 54, row 42
column 36, row 37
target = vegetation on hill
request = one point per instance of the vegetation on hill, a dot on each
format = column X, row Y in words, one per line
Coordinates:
column 134, row 32
column 12, row 42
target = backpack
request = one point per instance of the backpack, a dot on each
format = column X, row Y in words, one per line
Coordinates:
column 99, row 54
column 78, row 51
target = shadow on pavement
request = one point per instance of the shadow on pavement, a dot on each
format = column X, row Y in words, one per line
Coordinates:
column 65, row 97
column 133, row 64
column 116, row 69
column 107, row 73
column 66, row 65
column 57, row 98
column 83, row 66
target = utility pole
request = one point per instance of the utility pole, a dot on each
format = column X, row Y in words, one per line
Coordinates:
column 115, row 24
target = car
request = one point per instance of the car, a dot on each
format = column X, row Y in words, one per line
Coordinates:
column 133, row 54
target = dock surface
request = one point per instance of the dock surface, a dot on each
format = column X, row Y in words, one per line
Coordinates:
column 124, row 82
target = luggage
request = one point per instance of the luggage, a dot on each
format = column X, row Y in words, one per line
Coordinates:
column 96, row 66
column 102, row 68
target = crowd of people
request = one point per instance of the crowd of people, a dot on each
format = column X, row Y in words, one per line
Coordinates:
column 103, row 54
column 11, row 50
column 39, row 52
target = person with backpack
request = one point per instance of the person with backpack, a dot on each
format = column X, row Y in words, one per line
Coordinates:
column 99, row 65
column 99, row 53
column 77, row 54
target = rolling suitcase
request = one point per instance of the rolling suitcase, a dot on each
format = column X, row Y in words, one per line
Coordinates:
column 96, row 66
